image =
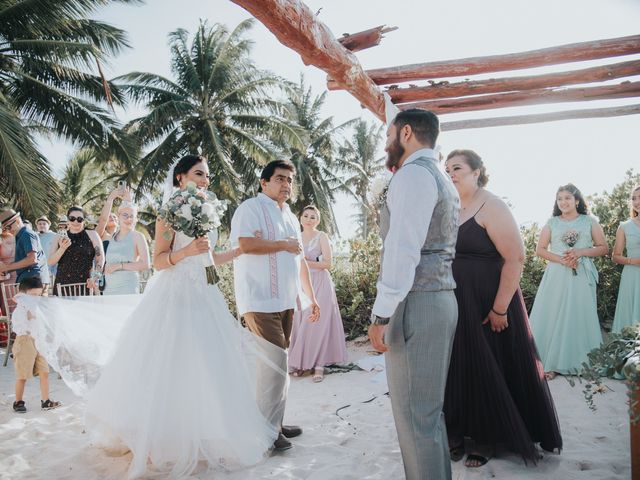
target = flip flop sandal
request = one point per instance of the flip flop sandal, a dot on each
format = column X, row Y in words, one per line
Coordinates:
column 478, row 458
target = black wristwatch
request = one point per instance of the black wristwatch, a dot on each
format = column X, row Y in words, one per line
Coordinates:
column 376, row 320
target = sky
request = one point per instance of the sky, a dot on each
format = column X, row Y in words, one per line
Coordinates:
column 525, row 163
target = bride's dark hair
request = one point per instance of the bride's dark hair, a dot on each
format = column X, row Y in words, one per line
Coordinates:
column 184, row 165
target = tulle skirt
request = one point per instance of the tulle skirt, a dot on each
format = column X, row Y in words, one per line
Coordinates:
column 170, row 374
column 496, row 390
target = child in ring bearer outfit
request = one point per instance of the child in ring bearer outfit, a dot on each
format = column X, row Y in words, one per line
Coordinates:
column 26, row 359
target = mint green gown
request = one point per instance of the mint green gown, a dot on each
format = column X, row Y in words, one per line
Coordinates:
column 628, row 305
column 564, row 317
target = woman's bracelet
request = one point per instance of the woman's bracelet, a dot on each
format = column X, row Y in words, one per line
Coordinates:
column 169, row 260
column 498, row 313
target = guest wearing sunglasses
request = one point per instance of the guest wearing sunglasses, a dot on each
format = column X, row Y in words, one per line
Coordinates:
column 127, row 254
column 79, row 255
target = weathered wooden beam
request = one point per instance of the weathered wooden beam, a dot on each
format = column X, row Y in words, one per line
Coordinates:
column 296, row 27
column 497, row 85
column 540, row 118
column 366, row 39
column 531, row 97
column 575, row 52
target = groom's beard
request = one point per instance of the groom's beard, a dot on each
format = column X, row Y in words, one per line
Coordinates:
column 394, row 153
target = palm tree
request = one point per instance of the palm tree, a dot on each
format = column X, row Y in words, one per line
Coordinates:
column 315, row 159
column 359, row 161
column 87, row 180
column 47, row 49
column 218, row 104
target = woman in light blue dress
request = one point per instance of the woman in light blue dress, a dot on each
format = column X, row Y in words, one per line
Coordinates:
column 628, row 236
column 564, row 317
column 127, row 254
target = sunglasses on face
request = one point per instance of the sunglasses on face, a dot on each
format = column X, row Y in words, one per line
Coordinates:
column 127, row 216
column 76, row 219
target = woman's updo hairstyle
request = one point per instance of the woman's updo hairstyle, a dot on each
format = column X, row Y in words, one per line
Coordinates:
column 474, row 161
column 185, row 164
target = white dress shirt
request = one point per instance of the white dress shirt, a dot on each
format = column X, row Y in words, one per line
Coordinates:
column 411, row 198
column 271, row 282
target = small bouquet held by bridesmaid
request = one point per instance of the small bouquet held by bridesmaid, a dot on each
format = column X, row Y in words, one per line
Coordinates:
column 570, row 238
column 195, row 213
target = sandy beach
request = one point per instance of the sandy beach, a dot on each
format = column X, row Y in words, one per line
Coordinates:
column 348, row 434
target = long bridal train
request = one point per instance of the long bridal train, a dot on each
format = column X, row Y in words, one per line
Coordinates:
column 171, row 373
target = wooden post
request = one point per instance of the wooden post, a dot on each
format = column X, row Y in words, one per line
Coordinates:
column 634, row 434
column 296, row 27
column 575, row 52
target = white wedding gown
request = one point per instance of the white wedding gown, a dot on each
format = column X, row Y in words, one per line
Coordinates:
column 170, row 374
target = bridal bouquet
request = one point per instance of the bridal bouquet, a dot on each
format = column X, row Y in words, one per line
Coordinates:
column 195, row 213
column 570, row 238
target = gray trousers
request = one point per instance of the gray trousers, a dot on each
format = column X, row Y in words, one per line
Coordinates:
column 420, row 338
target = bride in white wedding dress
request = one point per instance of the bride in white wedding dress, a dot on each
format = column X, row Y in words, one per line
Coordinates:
column 170, row 374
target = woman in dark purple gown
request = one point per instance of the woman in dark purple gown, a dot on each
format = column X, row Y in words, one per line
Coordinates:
column 496, row 390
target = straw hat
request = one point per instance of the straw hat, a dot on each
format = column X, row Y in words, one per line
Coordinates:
column 43, row 218
column 8, row 215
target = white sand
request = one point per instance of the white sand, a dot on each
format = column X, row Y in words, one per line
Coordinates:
column 360, row 443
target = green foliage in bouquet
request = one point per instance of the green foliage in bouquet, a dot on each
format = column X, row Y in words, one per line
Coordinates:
column 193, row 211
column 355, row 283
column 617, row 357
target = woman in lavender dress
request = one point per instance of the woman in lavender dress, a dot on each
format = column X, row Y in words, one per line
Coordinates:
column 318, row 344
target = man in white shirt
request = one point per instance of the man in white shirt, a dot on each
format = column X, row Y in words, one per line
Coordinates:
column 47, row 237
column 272, row 270
column 415, row 312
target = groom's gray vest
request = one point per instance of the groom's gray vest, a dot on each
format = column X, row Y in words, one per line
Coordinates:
column 433, row 273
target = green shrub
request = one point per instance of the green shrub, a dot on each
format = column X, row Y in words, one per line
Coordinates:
column 534, row 266
column 355, row 280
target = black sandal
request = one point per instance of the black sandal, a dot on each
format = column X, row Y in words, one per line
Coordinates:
column 478, row 458
column 48, row 404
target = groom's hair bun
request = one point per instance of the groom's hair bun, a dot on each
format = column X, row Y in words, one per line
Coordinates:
column 184, row 165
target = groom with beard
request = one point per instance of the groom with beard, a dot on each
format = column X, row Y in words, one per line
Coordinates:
column 415, row 313
column 272, row 271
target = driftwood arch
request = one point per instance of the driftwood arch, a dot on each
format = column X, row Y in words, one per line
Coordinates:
column 295, row 25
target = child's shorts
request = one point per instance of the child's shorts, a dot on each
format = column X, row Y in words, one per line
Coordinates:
column 26, row 359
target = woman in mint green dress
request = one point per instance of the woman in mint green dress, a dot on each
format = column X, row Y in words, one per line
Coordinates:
column 564, row 317
column 628, row 235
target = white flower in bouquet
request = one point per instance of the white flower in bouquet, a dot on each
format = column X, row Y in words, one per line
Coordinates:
column 195, row 213
column 185, row 212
